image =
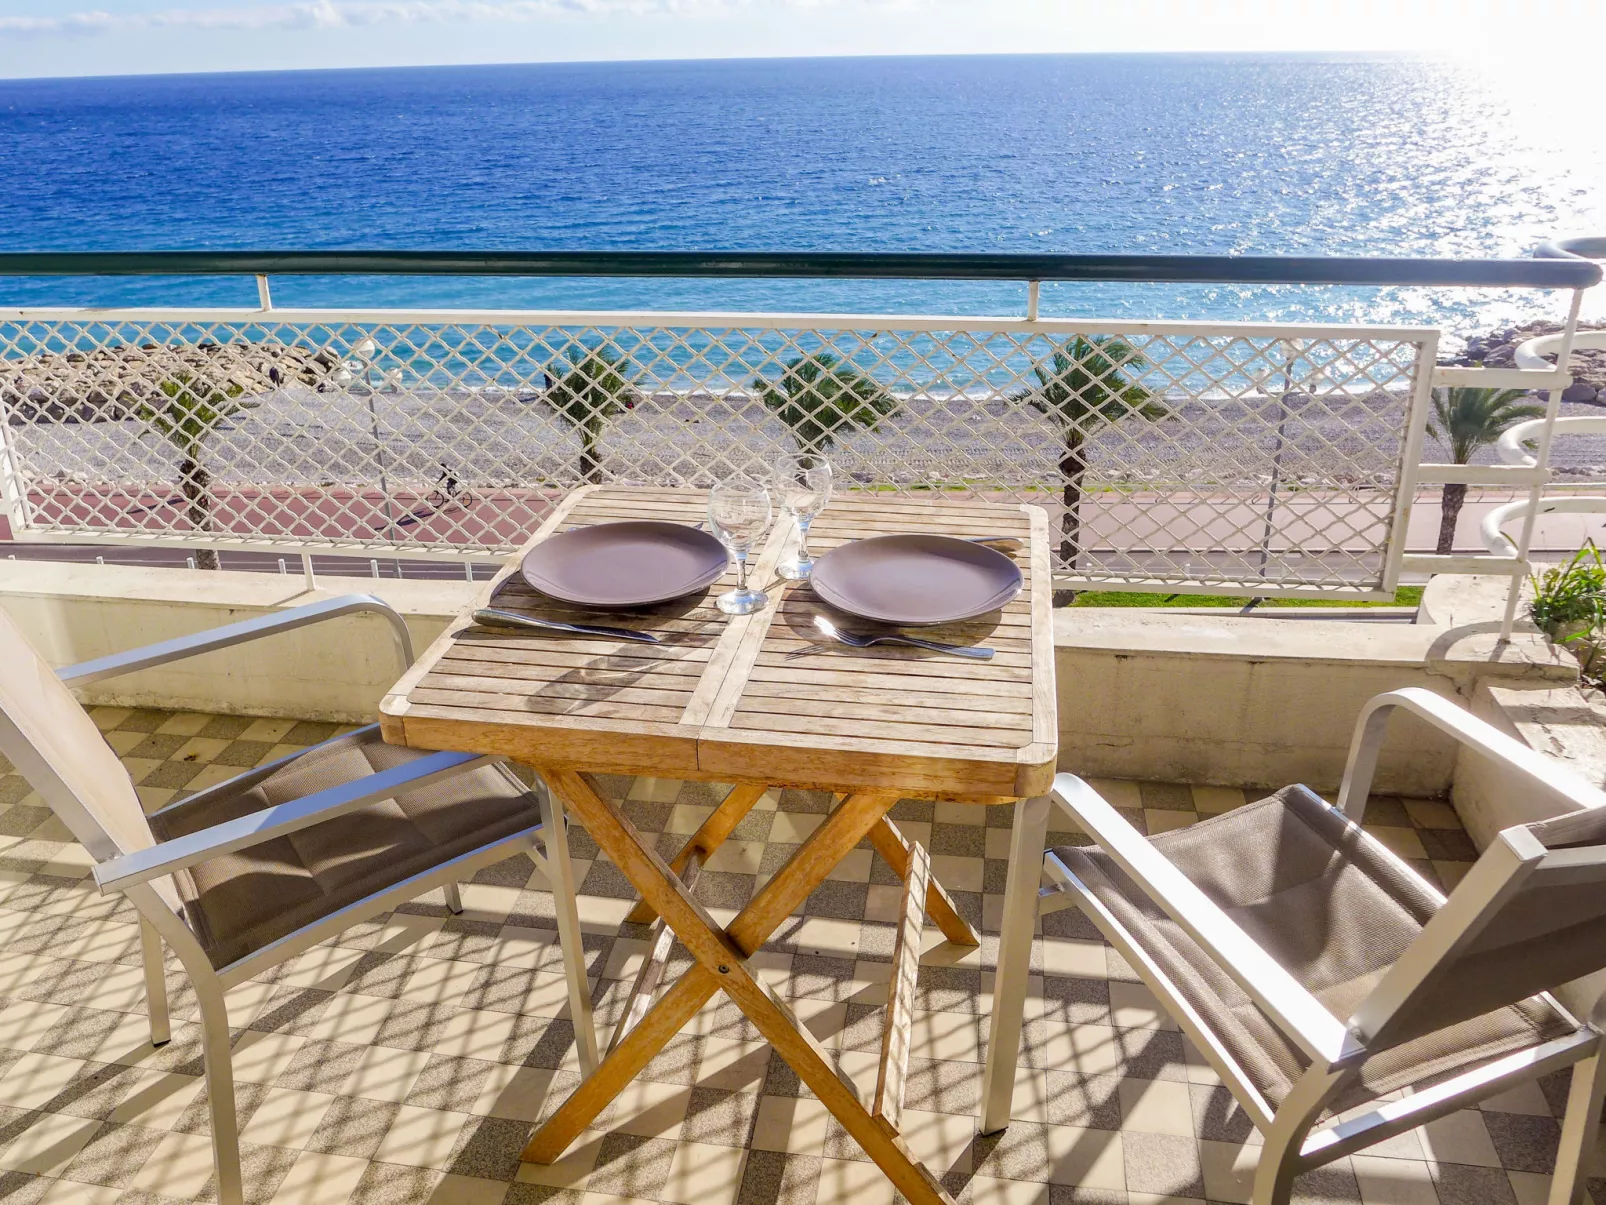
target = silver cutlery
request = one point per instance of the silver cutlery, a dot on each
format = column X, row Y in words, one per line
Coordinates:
column 697, row 526
column 1001, row 543
column 494, row 618
column 852, row 640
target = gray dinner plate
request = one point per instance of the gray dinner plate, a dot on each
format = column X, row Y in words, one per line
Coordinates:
column 631, row 564
column 915, row 580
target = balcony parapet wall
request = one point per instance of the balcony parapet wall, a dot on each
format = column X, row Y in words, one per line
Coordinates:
column 1217, row 699
column 1255, row 701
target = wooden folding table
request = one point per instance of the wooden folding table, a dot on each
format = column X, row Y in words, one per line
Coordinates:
column 718, row 701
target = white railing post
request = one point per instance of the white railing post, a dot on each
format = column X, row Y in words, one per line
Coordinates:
column 1542, row 464
column 1289, row 348
column 1411, row 461
column 1034, row 293
column 12, row 493
column 263, row 295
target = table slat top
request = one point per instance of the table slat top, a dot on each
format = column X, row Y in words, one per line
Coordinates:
column 718, row 699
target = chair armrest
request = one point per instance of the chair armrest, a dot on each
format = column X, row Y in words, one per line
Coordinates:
column 231, row 634
column 253, row 829
column 1297, row 1013
column 1552, row 779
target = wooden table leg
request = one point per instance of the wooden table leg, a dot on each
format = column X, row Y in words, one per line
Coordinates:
column 721, row 955
column 897, row 1030
column 842, row 830
column 709, row 836
column 659, row 944
column 894, row 847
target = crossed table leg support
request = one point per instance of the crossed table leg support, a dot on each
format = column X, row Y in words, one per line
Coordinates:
column 721, row 965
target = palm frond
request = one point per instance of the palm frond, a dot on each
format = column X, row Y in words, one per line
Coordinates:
column 1092, row 381
column 191, row 409
column 1466, row 418
column 818, row 396
column 596, row 388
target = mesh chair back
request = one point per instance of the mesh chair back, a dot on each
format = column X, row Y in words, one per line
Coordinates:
column 1530, row 916
column 57, row 748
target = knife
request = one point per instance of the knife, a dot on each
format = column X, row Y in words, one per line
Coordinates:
column 495, row 618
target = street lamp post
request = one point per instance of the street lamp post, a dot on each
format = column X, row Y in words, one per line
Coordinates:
column 365, row 350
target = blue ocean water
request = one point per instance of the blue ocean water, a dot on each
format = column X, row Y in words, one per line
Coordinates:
column 1118, row 153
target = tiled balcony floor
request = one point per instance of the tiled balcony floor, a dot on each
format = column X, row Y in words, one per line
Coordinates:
column 406, row 1061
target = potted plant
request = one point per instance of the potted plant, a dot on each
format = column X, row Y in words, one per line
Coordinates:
column 1569, row 606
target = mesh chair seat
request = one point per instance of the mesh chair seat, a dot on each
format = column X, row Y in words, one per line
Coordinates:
column 1331, row 910
column 241, row 901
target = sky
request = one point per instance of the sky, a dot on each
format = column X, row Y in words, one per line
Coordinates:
column 118, row 37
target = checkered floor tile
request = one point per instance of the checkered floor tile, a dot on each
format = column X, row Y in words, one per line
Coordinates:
column 407, row 1061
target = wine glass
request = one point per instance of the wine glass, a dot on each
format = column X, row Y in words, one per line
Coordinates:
column 802, row 487
column 739, row 512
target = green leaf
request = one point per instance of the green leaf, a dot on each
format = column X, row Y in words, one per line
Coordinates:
column 598, row 387
column 1466, row 419
column 818, row 397
column 191, row 410
column 1572, row 593
column 1090, row 382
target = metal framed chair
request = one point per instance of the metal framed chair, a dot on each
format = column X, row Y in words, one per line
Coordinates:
column 249, row 873
column 1340, row 997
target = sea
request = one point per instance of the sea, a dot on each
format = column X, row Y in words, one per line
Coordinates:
column 1209, row 154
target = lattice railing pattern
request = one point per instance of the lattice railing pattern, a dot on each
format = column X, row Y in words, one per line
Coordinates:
column 1254, row 456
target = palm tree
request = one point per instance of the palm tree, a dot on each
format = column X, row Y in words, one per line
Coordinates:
column 1467, row 419
column 191, row 411
column 588, row 396
column 1087, row 383
column 818, row 396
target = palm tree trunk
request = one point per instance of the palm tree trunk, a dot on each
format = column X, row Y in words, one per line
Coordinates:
column 1072, row 467
column 196, row 485
column 1455, row 493
column 812, row 438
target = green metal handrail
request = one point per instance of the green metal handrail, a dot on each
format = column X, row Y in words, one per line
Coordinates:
column 1542, row 273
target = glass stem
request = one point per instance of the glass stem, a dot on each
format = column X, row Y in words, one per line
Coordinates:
column 803, row 522
column 741, row 572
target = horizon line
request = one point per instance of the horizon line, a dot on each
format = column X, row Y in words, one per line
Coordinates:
column 1425, row 55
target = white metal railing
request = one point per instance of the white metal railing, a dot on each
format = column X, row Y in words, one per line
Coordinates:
column 1267, row 459
column 1520, row 466
column 1231, row 458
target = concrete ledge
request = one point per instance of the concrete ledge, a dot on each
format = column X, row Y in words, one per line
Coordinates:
column 333, row 671
column 1555, row 718
column 1562, row 723
column 1223, row 699
column 1252, row 701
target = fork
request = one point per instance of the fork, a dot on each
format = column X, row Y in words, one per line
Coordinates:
column 853, row 640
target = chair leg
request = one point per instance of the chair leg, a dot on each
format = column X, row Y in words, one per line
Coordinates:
column 1579, row 1128
column 454, row 898
column 220, row 1090
column 1028, row 834
column 560, row 875
column 150, row 948
column 1274, row 1175
column 1285, row 1137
